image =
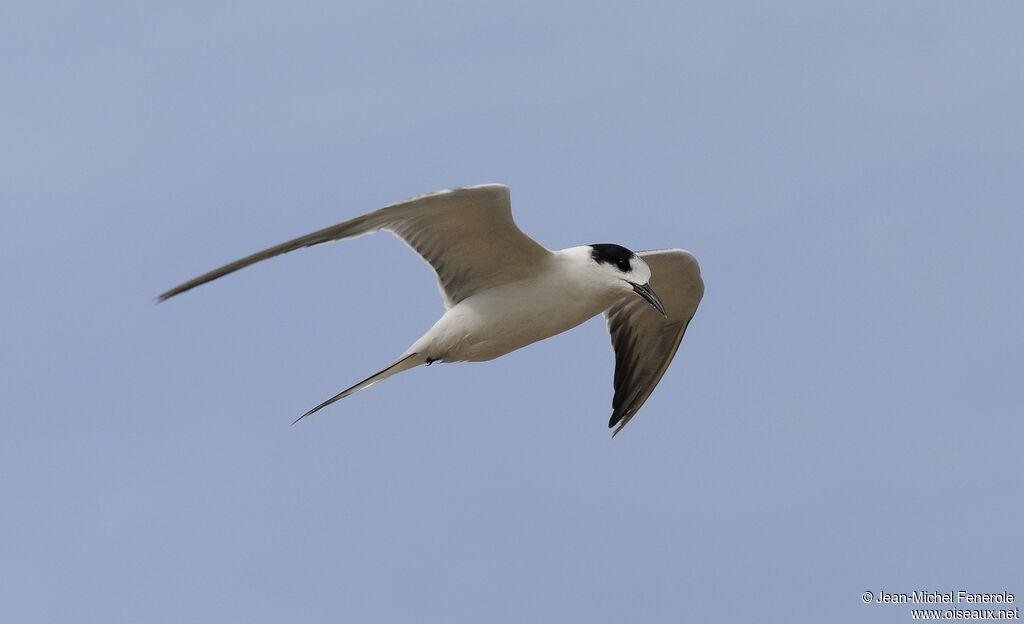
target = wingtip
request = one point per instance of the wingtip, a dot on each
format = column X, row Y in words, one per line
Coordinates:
column 620, row 420
column 611, row 425
column 167, row 294
column 315, row 409
column 615, row 418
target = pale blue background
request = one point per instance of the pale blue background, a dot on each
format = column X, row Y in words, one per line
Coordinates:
column 843, row 416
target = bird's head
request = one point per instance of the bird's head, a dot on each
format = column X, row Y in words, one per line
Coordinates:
column 625, row 270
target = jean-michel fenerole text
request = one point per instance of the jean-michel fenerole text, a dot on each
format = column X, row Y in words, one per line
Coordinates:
column 951, row 597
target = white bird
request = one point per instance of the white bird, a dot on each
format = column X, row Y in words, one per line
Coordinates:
column 503, row 290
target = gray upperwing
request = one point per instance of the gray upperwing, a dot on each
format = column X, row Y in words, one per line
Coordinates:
column 467, row 235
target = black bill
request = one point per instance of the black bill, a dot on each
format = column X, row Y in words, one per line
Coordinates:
column 644, row 290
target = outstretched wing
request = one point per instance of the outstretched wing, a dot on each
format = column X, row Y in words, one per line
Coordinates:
column 644, row 341
column 467, row 235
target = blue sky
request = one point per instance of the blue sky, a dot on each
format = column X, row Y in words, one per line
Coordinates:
column 843, row 415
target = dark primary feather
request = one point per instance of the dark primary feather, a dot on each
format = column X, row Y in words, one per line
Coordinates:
column 644, row 341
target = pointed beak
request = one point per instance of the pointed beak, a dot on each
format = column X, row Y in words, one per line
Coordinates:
column 644, row 290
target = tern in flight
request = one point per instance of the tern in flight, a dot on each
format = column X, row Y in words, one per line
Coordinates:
column 503, row 290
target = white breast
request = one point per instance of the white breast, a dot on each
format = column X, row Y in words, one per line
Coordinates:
column 500, row 320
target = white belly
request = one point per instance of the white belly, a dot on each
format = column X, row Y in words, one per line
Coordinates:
column 503, row 319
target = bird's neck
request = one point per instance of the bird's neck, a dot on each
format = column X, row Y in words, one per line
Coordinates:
column 579, row 278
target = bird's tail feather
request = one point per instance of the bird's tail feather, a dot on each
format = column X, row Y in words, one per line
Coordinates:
column 405, row 363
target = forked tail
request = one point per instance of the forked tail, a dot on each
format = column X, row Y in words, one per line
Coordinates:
column 409, row 361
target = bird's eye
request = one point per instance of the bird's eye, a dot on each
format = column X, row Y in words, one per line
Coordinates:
column 623, row 265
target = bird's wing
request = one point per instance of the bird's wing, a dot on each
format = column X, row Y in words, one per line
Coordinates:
column 645, row 341
column 467, row 235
